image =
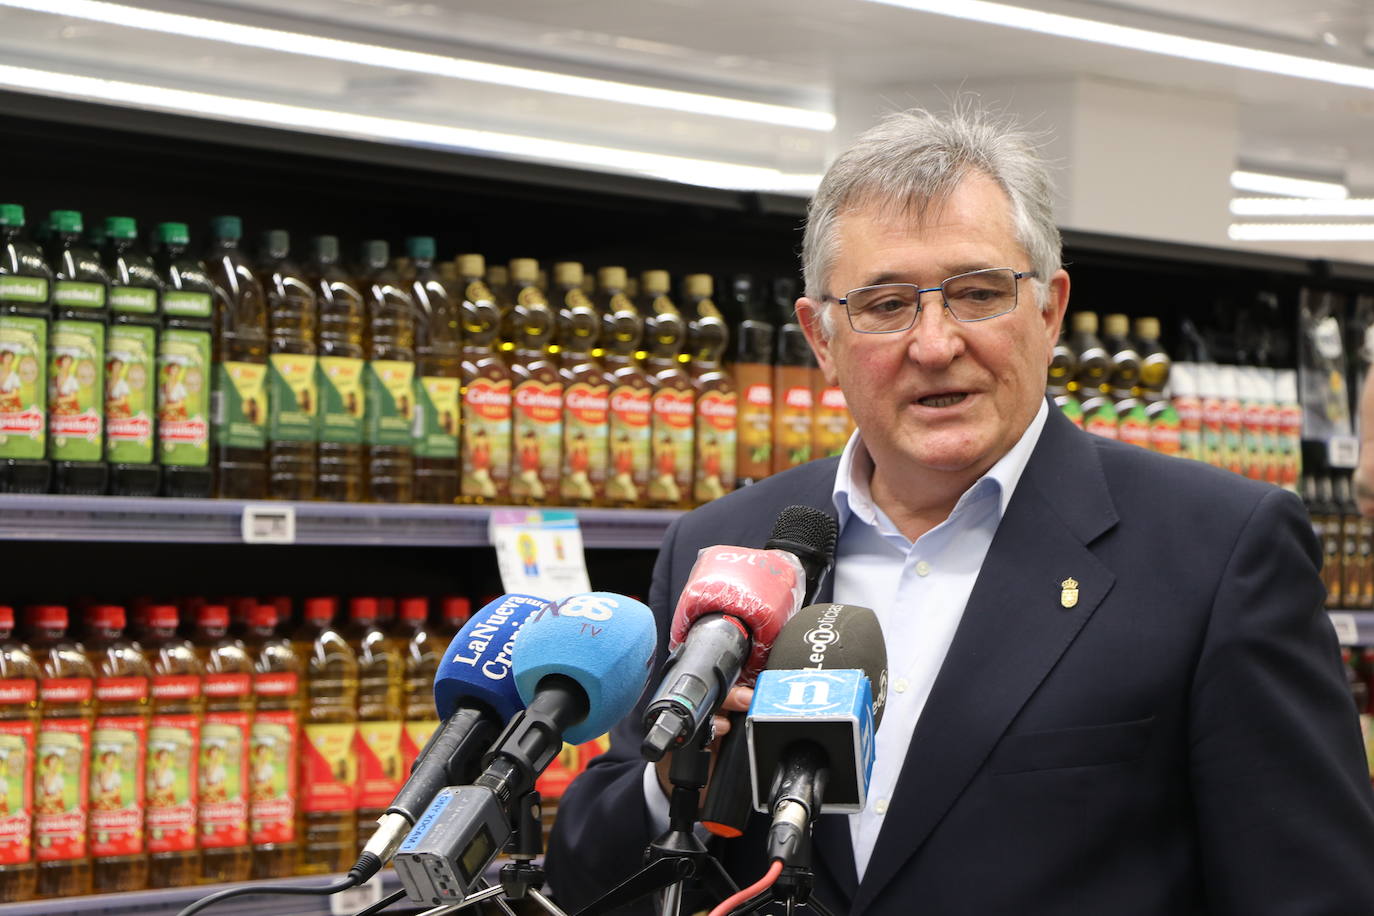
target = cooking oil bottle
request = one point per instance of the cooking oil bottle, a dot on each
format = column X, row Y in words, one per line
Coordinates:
column 716, row 399
column 438, row 378
column 486, row 394
column 622, row 331
column 389, row 378
column 173, row 792
column 226, row 855
column 62, row 754
column 672, row 408
column 793, row 401
column 240, row 390
column 586, row 392
column 328, row 826
column 292, row 395
column 19, row 724
column 422, row 650
column 119, row 746
column 184, row 367
column 454, row 611
column 279, row 690
column 25, row 312
column 342, row 315
column 536, row 390
column 131, row 362
column 381, row 674
column 753, row 369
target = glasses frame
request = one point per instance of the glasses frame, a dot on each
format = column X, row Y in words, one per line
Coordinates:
column 1017, row 277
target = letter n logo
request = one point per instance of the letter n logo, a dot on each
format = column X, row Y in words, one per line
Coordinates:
column 808, row 693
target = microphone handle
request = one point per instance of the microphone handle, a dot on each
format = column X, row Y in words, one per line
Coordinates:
column 730, row 798
column 454, row 748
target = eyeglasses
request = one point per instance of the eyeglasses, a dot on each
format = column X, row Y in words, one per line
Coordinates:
column 974, row 296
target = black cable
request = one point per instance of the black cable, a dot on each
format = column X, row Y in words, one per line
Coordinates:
column 381, row 904
column 367, row 866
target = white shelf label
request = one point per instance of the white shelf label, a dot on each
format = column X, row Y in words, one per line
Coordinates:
column 1347, row 630
column 269, row 523
column 539, row 552
column 345, row 903
column 1343, row 451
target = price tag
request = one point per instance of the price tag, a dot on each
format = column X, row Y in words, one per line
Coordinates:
column 269, row 523
column 1347, row 630
column 539, row 553
column 1343, row 451
column 345, row 903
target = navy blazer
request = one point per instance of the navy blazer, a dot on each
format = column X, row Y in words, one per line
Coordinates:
column 1179, row 740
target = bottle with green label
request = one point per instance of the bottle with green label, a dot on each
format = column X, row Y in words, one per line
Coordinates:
column 25, row 295
column 76, row 359
column 184, row 366
column 239, row 400
column 131, row 362
column 389, row 379
column 341, row 315
column 438, row 378
column 293, row 398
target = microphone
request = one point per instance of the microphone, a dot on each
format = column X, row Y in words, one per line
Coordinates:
column 475, row 694
column 811, row 724
column 735, row 602
column 579, row 664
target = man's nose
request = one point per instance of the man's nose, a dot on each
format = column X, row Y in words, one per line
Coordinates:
column 937, row 337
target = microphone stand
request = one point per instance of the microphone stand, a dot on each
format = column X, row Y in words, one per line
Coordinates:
column 793, row 887
column 677, row 855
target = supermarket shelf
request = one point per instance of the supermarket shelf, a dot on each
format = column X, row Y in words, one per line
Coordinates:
column 220, row 521
column 1354, row 628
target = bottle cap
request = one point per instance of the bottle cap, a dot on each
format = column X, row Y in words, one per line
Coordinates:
column 48, row 616
column 414, row 608
column 213, row 615
column 524, row 270
column 276, row 244
column 6, row 617
column 457, row 609
column 1147, row 328
column 471, row 265
column 263, row 617
column 362, row 608
column 121, row 227
column 227, row 228
column 698, row 284
column 497, row 275
column 1116, row 325
column 65, row 220
column 420, row 247
column 655, row 282
column 12, row 215
column 1085, row 322
column 325, row 248
column 386, row 608
column 106, row 616
column 319, row 609
column 567, row 273
column 374, row 254
column 611, row 278
column 173, row 234
column 162, row 617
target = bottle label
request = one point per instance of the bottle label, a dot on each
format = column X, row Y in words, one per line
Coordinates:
column 1166, row 433
column 133, row 299
column 1071, row 409
column 176, row 687
column 670, row 445
column 118, row 747
column 76, row 390
column 536, row 433
column 486, row 437
column 276, row 684
column 66, row 690
column 272, row 774
column 436, row 423
column 61, row 793
column 715, row 445
column 228, row 685
column 241, row 405
column 183, row 398
column 173, row 774
column 341, row 399
column 329, row 767
column 24, row 289
column 121, row 689
column 755, row 383
column 129, row 365
column 75, row 294
column 414, row 737
column 831, row 422
column 1102, row 420
column 16, row 786
column 1189, row 410
column 1133, row 426
column 185, row 303
column 18, row 692
column 631, row 418
column 23, row 385
column 390, row 402
column 224, row 776
column 379, row 763
column 791, row 417
column 293, row 398
column 586, row 410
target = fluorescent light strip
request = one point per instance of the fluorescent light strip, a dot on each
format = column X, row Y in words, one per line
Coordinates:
column 432, row 64
column 1301, row 232
column 1263, row 183
column 703, row 172
column 1292, row 206
column 1120, row 36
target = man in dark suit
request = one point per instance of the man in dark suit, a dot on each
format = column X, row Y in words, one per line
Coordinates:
column 1114, row 689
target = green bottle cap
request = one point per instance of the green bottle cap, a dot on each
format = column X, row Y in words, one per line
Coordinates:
column 375, row 253
column 420, row 247
column 12, row 215
column 121, row 227
column 173, row 234
column 226, row 228
column 66, row 221
column 326, row 248
column 276, row 244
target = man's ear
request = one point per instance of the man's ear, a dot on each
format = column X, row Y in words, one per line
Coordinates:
column 809, row 315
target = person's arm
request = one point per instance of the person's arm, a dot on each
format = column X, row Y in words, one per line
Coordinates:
column 1364, row 471
column 1285, row 815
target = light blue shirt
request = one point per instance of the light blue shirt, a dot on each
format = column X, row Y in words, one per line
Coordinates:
column 919, row 591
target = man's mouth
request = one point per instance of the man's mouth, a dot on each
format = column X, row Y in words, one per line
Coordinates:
column 949, row 399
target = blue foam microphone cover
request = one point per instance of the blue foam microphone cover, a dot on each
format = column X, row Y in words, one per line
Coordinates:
column 477, row 664
column 603, row 641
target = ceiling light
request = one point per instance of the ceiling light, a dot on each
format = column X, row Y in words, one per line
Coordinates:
column 1120, row 36
column 1301, row 232
column 1295, row 206
column 432, row 64
column 728, row 175
column 1263, row 183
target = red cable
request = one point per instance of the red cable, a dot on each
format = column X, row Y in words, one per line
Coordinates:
column 752, row 890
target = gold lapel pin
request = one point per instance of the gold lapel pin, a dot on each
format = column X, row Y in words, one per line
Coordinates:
column 1068, row 594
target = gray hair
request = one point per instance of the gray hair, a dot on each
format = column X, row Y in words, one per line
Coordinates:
column 913, row 159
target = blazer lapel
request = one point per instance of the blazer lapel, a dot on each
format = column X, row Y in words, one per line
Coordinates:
column 1020, row 618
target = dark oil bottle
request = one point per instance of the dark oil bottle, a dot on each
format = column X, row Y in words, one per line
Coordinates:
column 753, row 370
column 672, row 407
column 438, row 377
column 25, row 313
column 485, row 392
column 1133, row 424
column 793, row 400
column 536, row 391
column 586, row 393
column 293, row 396
column 184, row 366
column 716, row 395
column 631, row 392
column 131, row 362
column 342, row 315
column 389, row 378
column 76, row 364
column 240, row 389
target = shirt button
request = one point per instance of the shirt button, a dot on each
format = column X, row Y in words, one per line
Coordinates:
column 880, row 806
column 923, row 568
column 901, row 685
